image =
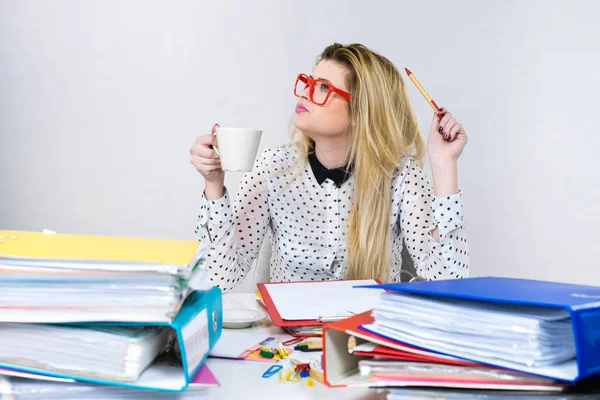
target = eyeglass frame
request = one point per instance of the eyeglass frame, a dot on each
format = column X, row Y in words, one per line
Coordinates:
column 310, row 84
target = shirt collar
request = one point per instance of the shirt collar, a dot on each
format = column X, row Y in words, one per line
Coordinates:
column 321, row 173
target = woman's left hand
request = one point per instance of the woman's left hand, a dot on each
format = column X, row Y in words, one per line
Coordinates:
column 447, row 138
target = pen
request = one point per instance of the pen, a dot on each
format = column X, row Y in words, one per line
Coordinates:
column 422, row 90
column 307, row 348
column 262, row 304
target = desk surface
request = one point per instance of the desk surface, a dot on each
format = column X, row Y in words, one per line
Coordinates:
column 240, row 379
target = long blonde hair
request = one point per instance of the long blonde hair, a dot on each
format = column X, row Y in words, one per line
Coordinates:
column 384, row 130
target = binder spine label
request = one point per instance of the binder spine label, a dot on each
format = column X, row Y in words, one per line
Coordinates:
column 196, row 340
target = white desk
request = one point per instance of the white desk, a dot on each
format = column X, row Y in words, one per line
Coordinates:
column 242, row 380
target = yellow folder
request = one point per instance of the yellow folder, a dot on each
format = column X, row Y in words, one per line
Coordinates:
column 23, row 244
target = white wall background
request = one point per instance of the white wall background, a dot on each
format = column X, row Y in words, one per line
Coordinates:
column 101, row 100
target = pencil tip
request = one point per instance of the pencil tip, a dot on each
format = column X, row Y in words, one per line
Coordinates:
column 408, row 71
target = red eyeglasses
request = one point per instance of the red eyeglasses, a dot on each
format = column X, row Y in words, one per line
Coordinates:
column 319, row 89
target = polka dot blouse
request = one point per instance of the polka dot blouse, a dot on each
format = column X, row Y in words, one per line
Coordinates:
column 309, row 224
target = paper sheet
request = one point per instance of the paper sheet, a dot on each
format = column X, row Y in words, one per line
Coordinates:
column 204, row 377
column 234, row 342
column 310, row 300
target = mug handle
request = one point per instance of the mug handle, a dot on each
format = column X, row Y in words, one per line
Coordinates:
column 215, row 148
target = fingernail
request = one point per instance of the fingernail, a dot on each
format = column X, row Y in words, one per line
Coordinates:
column 441, row 130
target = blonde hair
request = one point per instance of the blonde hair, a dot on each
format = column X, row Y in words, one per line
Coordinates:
column 384, row 130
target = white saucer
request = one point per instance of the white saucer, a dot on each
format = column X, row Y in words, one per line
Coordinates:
column 238, row 318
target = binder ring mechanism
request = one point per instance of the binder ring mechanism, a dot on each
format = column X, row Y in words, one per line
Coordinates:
column 412, row 278
column 348, row 314
column 215, row 321
column 336, row 317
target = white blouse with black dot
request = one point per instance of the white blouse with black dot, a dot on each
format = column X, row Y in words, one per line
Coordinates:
column 309, row 223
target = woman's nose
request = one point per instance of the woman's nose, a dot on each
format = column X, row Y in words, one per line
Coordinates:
column 305, row 92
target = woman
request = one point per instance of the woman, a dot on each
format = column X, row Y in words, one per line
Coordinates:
column 344, row 196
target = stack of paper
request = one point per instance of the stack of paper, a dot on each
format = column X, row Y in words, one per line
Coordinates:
column 511, row 334
column 440, row 374
column 108, row 353
column 356, row 356
column 71, row 278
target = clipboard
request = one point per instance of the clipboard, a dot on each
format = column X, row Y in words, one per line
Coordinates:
column 274, row 314
column 272, row 309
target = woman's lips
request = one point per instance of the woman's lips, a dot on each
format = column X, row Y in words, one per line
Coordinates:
column 300, row 108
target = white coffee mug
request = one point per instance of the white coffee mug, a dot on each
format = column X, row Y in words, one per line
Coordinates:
column 237, row 148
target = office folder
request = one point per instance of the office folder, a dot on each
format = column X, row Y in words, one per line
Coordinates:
column 99, row 252
column 295, row 304
column 345, row 364
column 195, row 330
column 83, row 278
column 546, row 302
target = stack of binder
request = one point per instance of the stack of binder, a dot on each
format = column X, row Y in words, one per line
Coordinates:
column 126, row 312
column 478, row 333
column 60, row 277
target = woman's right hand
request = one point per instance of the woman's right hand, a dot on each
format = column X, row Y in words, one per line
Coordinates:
column 206, row 160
